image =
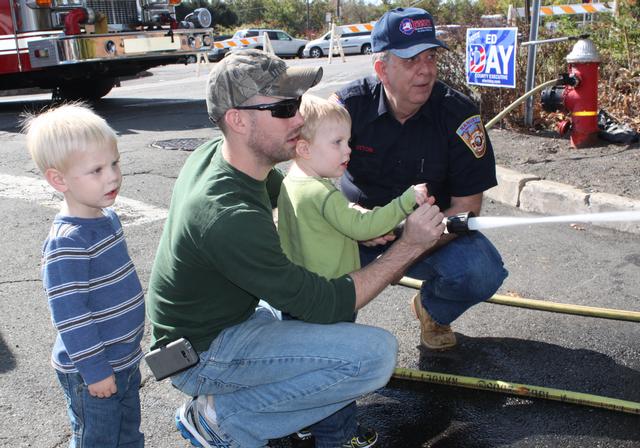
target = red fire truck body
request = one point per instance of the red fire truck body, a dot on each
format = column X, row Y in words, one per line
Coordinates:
column 80, row 48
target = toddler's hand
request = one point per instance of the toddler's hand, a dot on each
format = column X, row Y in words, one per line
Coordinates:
column 421, row 193
column 381, row 240
column 104, row 388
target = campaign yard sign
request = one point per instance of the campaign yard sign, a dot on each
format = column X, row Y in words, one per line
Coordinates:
column 491, row 57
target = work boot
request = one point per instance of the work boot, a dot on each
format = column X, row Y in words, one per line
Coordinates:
column 433, row 335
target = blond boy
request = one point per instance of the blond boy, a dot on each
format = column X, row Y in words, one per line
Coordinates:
column 319, row 228
column 94, row 294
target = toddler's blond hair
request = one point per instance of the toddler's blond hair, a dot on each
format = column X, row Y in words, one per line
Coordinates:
column 315, row 110
column 56, row 133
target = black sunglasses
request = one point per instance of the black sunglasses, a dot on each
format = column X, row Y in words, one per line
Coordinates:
column 282, row 109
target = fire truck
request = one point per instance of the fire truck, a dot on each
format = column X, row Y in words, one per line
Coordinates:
column 80, row 48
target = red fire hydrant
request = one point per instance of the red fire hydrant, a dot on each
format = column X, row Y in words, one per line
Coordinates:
column 579, row 95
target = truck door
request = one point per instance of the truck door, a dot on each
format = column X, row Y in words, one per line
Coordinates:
column 9, row 43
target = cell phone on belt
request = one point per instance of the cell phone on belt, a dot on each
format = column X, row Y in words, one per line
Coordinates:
column 171, row 359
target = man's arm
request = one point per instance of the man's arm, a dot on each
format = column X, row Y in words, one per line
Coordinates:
column 461, row 204
column 422, row 230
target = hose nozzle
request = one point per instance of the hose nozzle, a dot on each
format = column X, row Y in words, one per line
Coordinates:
column 459, row 224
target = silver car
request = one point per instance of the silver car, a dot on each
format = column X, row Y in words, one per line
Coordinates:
column 283, row 44
column 352, row 43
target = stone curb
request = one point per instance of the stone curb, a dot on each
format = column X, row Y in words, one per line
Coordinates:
column 528, row 193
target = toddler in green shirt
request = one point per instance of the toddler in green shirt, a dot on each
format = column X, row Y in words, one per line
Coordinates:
column 318, row 227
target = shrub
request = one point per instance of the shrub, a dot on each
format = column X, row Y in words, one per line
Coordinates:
column 617, row 40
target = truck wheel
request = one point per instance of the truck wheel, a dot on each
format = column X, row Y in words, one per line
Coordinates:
column 315, row 52
column 86, row 89
column 366, row 49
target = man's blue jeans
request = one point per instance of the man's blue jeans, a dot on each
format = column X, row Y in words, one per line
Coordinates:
column 340, row 422
column 104, row 422
column 466, row 271
column 271, row 378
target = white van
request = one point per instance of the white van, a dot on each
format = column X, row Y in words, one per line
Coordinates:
column 352, row 43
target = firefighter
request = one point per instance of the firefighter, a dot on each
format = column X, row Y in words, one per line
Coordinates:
column 409, row 128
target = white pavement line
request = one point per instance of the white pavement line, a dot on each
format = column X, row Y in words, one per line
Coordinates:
column 329, row 84
column 155, row 84
column 130, row 211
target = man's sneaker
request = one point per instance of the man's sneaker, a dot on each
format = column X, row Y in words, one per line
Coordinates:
column 303, row 434
column 432, row 335
column 364, row 438
column 195, row 425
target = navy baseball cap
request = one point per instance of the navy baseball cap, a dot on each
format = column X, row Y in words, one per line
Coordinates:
column 405, row 32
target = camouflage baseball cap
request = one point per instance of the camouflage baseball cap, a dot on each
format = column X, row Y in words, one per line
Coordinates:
column 243, row 74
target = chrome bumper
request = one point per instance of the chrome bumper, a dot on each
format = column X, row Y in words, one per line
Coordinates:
column 65, row 50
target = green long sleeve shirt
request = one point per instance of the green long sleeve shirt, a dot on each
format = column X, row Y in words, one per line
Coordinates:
column 220, row 252
column 319, row 228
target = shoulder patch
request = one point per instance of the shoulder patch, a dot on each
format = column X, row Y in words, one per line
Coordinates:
column 471, row 131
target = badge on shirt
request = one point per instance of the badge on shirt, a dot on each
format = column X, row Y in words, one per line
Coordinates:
column 471, row 132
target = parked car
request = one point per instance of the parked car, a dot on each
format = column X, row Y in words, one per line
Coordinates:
column 352, row 43
column 283, row 44
column 216, row 54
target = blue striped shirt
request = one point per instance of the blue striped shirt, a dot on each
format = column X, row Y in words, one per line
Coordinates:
column 95, row 296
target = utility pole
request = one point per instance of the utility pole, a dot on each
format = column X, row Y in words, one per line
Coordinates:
column 308, row 15
column 531, row 64
column 337, row 9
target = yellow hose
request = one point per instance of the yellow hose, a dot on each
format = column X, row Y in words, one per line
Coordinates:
column 605, row 313
column 612, row 404
column 509, row 108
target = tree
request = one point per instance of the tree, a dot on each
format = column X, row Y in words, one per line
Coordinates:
column 357, row 11
column 248, row 11
column 288, row 14
column 318, row 14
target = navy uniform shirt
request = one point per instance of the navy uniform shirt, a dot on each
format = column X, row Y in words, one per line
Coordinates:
column 444, row 144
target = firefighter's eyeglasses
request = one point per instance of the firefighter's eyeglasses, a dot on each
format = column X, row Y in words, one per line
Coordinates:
column 282, row 109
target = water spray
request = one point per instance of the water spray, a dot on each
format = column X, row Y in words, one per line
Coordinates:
column 463, row 223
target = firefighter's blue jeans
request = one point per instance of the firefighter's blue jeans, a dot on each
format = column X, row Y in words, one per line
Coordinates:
column 466, row 271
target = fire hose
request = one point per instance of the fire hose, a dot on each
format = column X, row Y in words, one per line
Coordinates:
column 612, row 404
column 526, row 95
column 543, row 305
column 465, row 223
column 506, row 387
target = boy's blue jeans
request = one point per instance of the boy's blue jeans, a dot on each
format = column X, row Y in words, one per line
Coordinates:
column 104, row 422
column 271, row 378
column 466, row 271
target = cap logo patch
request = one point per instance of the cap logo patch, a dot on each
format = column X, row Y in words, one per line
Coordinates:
column 409, row 26
column 471, row 132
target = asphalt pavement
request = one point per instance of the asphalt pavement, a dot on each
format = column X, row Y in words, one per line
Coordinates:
column 574, row 264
